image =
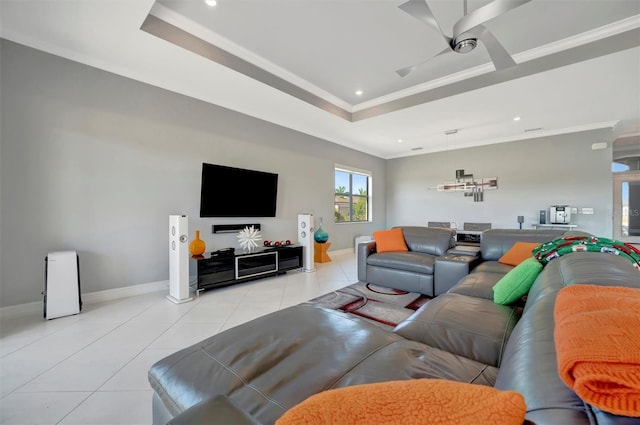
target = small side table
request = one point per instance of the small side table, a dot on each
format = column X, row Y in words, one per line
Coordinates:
column 470, row 251
column 320, row 250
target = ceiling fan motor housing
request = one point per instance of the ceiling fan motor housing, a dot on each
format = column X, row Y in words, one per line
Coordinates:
column 465, row 45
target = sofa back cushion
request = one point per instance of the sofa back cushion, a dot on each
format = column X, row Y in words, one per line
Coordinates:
column 495, row 243
column 471, row 327
column 590, row 268
column 430, row 240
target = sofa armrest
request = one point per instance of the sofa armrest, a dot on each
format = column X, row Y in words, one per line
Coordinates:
column 449, row 269
column 364, row 250
column 217, row 410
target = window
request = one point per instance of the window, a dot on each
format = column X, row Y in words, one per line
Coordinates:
column 629, row 163
column 352, row 201
column 626, row 206
column 626, row 189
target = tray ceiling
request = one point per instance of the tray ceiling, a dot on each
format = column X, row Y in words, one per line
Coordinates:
column 299, row 63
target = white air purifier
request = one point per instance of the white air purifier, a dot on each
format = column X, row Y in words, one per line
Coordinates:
column 62, row 285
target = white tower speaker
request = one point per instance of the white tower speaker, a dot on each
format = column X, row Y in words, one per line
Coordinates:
column 305, row 238
column 179, row 259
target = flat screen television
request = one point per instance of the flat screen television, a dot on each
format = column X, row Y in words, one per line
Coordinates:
column 236, row 192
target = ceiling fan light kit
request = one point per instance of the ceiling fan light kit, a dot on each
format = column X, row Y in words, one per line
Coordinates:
column 467, row 31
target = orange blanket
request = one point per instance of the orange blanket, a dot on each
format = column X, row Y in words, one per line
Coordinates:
column 412, row 402
column 597, row 336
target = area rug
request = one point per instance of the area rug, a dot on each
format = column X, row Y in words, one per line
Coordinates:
column 381, row 306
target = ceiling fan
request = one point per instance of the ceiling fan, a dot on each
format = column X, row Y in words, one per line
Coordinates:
column 467, row 31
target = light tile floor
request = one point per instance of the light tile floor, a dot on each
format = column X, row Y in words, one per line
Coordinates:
column 92, row 368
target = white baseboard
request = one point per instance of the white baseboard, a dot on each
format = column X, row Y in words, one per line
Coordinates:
column 124, row 292
column 21, row 310
column 36, row 307
column 27, row 309
column 342, row 251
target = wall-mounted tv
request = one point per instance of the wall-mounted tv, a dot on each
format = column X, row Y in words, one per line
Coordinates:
column 236, row 192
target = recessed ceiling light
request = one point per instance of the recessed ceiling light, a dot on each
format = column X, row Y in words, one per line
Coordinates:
column 516, row 118
column 400, row 140
column 358, row 92
column 210, row 2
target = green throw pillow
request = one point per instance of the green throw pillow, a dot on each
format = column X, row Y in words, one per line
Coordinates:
column 517, row 282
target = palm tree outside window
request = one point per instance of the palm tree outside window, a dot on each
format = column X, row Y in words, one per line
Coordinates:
column 352, row 196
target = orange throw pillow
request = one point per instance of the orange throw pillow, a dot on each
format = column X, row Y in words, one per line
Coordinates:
column 412, row 402
column 519, row 252
column 390, row 240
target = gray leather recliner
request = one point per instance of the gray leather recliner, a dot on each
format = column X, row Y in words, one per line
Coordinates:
column 411, row 270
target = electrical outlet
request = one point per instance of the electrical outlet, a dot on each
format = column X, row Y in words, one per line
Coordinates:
column 586, row 210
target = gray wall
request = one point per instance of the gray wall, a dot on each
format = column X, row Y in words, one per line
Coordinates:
column 95, row 162
column 532, row 175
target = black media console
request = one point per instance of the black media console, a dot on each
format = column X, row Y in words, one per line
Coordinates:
column 226, row 269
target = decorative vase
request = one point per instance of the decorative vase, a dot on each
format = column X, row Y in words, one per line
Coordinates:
column 321, row 235
column 197, row 246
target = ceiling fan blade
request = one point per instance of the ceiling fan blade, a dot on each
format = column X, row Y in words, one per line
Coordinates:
column 499, row 55
column 420, row 10
column 484, row 14
column 403, row 72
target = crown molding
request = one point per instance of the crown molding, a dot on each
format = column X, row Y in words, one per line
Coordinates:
column 515, row 138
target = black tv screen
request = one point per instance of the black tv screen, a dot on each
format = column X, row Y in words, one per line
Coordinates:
column 236, row 192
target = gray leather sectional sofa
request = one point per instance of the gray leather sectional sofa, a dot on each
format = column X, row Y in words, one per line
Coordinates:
column 255, row 372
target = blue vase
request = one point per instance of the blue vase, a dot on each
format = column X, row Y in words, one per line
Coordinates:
column 321, row 235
